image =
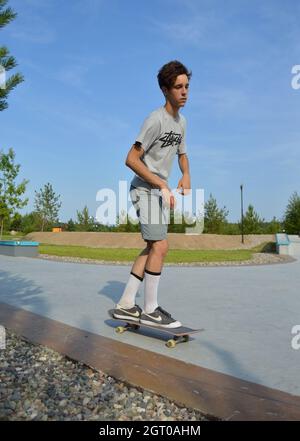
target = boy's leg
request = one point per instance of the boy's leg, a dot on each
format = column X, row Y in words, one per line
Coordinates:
column 140, row 262
column 154, row 314
column 153, row 270
column 149, row 264
column 136, row 277
column 156, row 256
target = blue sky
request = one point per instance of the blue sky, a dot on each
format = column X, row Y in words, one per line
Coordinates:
column 90, row 70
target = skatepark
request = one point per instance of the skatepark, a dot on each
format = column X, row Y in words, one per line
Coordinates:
column 242, row 366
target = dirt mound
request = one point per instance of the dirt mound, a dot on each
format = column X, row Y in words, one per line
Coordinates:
column 134, row 240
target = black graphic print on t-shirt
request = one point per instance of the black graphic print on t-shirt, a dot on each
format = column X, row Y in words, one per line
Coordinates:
column 171, row 138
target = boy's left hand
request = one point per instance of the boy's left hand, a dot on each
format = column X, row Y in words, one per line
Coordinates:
column 184, row 185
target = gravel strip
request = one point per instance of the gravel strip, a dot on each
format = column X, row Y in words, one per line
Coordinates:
column 257, row 259
column 37, row 383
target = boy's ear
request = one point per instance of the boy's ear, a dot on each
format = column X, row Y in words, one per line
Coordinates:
column 164, row 90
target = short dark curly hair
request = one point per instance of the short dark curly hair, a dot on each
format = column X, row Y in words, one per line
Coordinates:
column 169, row 72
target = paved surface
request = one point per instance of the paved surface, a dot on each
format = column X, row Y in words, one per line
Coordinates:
column 247, row 312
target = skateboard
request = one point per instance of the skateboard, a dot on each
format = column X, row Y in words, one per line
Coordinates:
column 180, row 335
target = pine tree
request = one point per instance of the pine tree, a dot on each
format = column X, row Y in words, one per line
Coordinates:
column 272, row 227
column 292, row 215
column 252, row 222
column 47, row 205
column 85, row 221
column 7, row 62
column 71, row 225
column 214, row 217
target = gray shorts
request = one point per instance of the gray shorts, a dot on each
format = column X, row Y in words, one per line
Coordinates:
column 153, row 215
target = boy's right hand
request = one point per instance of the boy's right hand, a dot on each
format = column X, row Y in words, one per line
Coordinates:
column 168, row 197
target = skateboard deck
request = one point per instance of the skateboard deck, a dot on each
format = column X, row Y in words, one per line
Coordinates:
column 180, row 335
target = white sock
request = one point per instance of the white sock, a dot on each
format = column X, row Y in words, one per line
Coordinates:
column 151, row 285
column 127, row 300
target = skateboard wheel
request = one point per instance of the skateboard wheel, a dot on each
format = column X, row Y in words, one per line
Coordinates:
column 186, row 338
column 120, row 330
column 171, row 343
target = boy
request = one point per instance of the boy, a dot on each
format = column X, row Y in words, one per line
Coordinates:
column 151, row 156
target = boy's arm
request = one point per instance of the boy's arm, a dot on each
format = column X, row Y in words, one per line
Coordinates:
column 184, row 184
column 134, row 162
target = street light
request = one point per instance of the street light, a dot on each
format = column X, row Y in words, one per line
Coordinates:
column 242, row 214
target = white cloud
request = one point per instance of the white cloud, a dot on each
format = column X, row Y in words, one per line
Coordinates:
column 286, row 154
column 260, row 29
column 223, row 100
column 32, row 28
column 196, row 30
column 73, row 75
column 89, row 9
column 100, row 125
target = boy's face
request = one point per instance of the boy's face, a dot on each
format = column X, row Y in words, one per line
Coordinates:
column 178, row 94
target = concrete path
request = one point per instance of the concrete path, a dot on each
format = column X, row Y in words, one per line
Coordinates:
column 248, row 312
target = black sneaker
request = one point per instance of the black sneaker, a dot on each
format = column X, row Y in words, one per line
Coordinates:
column 159, row 318
column 133, row 314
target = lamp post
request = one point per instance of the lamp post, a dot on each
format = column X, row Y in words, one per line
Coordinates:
column 242, row 214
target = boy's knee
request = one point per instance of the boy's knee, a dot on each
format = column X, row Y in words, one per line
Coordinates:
column 161, row 246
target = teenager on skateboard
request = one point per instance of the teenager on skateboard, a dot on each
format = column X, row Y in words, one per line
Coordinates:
column 161, row 137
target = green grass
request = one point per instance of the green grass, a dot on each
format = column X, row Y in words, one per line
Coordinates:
column 129, row 254
column 9, row 237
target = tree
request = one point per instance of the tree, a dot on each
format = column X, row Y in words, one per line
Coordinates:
column 71, row 225
column 47, row 204
column 272, row 227
column 291, row 220
column 214, row 218
column 10, row 192
column 7, row 62
column 31, row 222
column 85, row 221
column 230, row 228
column 252, row 222
column 16, row 222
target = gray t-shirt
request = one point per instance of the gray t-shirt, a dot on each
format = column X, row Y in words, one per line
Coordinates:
column 162, row 137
